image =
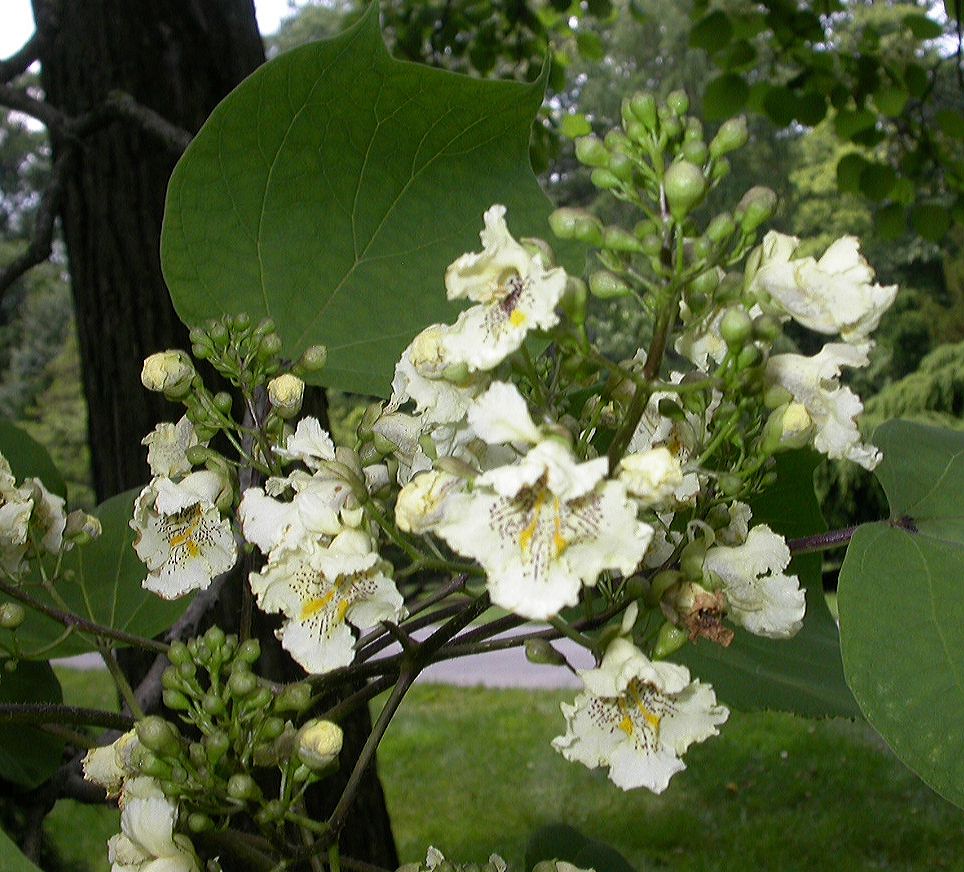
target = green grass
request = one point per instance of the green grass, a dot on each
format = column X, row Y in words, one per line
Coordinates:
column 471, row 772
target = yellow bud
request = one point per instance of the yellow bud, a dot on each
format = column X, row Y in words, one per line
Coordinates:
column 319, row 743
column 285, row 394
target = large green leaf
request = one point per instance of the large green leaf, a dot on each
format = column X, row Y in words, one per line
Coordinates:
column 902, row 605
column 13, row 859
column 27, row 457
column 803, row 674
column 28, row 755
column 331, row 189
column 102, row 583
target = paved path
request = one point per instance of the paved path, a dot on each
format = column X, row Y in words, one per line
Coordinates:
column 507, row 668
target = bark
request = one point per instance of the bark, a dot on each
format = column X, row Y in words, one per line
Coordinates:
column 178, row 58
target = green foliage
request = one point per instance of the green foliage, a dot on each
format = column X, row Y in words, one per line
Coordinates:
column 27, row 457
column 28, row 755
column 13, row 859
column 562, row 842
column 101, row 582
column 402, row 161
column 901, row 610
column 801, row 675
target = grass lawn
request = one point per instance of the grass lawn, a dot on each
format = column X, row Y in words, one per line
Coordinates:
column 471, row 771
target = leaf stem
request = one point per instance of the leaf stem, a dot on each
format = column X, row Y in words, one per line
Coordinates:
column 43, row 713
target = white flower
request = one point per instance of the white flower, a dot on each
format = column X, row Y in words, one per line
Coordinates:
column 760, row 598
column 638, row 717
column 735, row 532
column 543, row 527
column 310, row 443
column 420, row 377
column 813, row 382
column 501, row 415
column 167, row 446
column 514, row 291
column 651, row 476
column 49, row 518
column 16, row 505
column 111, row 765
column 319, row 589
column 147, row 842
column 835, row 294
column 181, row 536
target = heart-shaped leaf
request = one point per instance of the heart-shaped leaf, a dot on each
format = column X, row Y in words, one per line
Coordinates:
column 28, row 755
column 902, row 605
column 331, row 189
column 27, row 457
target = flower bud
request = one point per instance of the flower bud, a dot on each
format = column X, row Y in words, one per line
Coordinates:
column 732, row 135
column 691, row 559
column 168, row 372
column 176, row 701
column 541, row 652
column 313, row 359
column 694, row 150
column 788, row 427
column 249, row 651
column 319, row 743
column 576, row 224
column 678, row 102
column 12, row 615
column 669, row 640
column 81, row 528
column 157, row 735
column 243, row 787
column 621, row 166
column 199, row 823
column 756, row 207
column 574, row 300
column 242, row 684
column 293, row 698
column 617, row 239
column 604, row 179
column 685, row 186
column 736, row 328
column 216, row 745
column 643, row 106
column 591, row 151
column 285, row 394
column 720, row 228
column 607, row 286
column 270, row 346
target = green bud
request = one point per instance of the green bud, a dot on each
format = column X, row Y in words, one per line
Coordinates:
column 643, row 106
column 607, row 286
column 243, row 787
column 201, row 352
column 694, row 150
column 617, row 239
column 733, row 134
column 152, row 765
column 621, row 166
column 370, row 416
column 706, row 282
column 313, row 359
column 729, row 484
column 777, row 396
column 176, row 701
column 749, row 357
column 661, row 583
column 736, row 328
column 685, row 186
column 637, row 132
column 669, row 408
column 170, row 680
column 242, row 684
column 604, row 180
column 199, row 823
column 249, row 651
column 223, row 402
column 576, row 224
column 541, row 652
column 213, row 704
column 591, row 151
column 272, row 728
column 671, row 127
column 678, row 102
column 721, row 228
column 198, row 756
column 216, row 745
column 187, row 669
column 269, row 347
column 694, row 130
column 652, row 245
column 720, row 170
column 214, row 638
column 616, row 140
column 10, row 665
column 261, row 698
column 12, row 615
column 293, row 698
column 768, row 480
column 218, row 333
column 271, row 811
column 669, row 640
column 241, row 321
column 767, row 328
column 756, row 207
column 691, row 560
column 730, row 289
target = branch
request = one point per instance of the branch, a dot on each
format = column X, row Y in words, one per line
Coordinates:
column 18, row 62
column 42, row 713
column 68, row 619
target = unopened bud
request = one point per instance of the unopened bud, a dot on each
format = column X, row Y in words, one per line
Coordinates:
column 243, row 787
column 756, row 207
column 694, row 150
column 319, row 743
column 541, row 652
column 732, row 135
column 621, row 166
column 285, row 394
column 81, row 528
column 736, row 328
column 12, row 615
column 591, row 151
column 604, row 179
column 157, row 735
column 293, row 698
column 643, row 106
column 721, row 228
column 685, row 186
column 678, row 102
column 617, row 239
column 669, row 640
column 574, row 300
column 313, row 359
column 607, row 286
column 168, row 372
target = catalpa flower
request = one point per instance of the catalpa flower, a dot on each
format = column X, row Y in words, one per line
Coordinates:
column 637, row 717
column 167, row 446
column 147, row 842
column 759, row 597
column 16, row 505
column 835, row 294
column 814, row 384
column 320, row 590
column 515, row 293
column 181, row 536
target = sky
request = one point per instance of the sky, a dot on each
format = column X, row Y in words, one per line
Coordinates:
column 16, row 21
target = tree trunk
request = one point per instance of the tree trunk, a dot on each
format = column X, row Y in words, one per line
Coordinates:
column 178, row 58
